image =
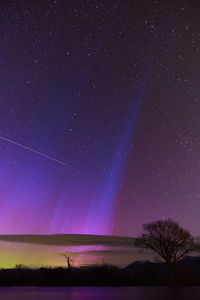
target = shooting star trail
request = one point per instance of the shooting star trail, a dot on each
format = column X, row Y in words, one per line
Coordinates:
column 34, row 151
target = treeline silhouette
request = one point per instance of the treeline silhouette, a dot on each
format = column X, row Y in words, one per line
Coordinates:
column 95, row 275
column 187, row 272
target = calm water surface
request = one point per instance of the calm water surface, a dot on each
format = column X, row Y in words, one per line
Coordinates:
column 99, row 293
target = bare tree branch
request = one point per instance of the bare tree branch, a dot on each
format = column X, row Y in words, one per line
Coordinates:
column 167, row 239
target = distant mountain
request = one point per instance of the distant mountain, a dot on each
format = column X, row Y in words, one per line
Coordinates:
column 143, row 270
column 191, row 263
column 151, row 272
column 191, row 259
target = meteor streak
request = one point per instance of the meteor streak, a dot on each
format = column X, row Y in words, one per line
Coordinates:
column 34, row 151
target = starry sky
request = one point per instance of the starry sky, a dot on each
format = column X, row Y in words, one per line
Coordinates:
column 110, row 88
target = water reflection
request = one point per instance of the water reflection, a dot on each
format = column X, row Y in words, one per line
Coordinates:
column 99, row 293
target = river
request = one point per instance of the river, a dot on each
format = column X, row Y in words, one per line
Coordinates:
column 99, row 293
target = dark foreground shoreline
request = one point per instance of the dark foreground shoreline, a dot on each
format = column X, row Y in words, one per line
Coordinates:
column 86, row 276
column 147, row 274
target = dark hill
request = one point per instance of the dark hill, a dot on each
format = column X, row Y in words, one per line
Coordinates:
column 187, row 271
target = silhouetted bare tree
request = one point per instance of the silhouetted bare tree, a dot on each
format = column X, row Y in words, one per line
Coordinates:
column 167, row 239
column 68, row 261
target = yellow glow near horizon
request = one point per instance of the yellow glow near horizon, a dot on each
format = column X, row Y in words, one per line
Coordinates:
column 35, row 255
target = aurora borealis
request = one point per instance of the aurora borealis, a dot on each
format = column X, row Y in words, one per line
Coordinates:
column 110, row 88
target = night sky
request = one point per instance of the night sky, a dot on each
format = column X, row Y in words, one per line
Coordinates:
column 111, row 89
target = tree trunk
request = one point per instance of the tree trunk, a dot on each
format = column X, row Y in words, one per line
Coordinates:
column 68, row 262
column 171, row 274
